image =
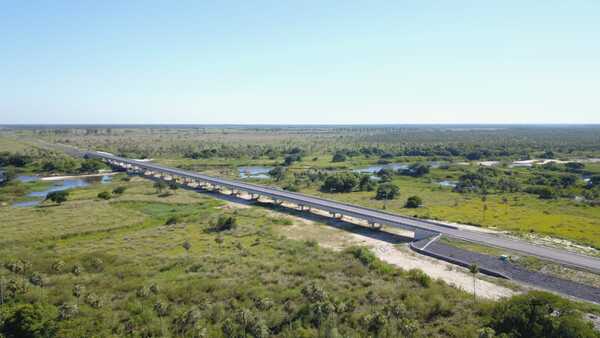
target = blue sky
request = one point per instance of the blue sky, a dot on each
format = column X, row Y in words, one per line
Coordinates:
column 300, row 62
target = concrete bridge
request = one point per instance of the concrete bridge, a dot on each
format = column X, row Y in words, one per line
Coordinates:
column 421, row 228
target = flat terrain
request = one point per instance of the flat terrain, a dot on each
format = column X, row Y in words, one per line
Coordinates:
column 123, row 245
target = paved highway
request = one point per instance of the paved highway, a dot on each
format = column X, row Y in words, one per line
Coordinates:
column 372, row 215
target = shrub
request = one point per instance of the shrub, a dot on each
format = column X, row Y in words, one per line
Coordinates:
column 291, row 187
column 416, row 170
column 420, row 277
column 119, row 190
column 172, row 220
column 413, row 202
column 542, row 192
column 105, row 195
column 58, row 196
column 387, row 191
column 224, row 223
column 368, row 259
column 366, row 183
column 338, row 157
column 538, row 314
column 31, row 320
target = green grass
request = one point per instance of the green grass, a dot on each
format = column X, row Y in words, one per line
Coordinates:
column 524, row 213
column 251, row 266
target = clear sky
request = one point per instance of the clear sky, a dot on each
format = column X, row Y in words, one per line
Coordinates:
column 300, row 61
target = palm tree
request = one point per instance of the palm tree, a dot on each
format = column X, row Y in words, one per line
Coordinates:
column 474, row 270
column 159, row 186
column 505, row 202
column 162, row 310
column 39, row 280
column 77, row 291
column 484, row 207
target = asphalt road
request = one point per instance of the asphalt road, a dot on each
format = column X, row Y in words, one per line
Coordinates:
column 372, row 215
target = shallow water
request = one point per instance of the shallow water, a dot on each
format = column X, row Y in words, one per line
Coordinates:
column 448, row 183
column 254, row 172
column 39, row 196
column 373, row 169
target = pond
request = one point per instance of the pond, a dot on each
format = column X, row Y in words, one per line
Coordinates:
column 373, row 169
column 38, row 196
column 258, row 172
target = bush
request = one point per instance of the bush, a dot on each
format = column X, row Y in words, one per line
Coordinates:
column 291, row 187
column 172, row 220
column 224, row 223
column 366, row 183
column 542, row 192
column 416, row 170
column 420, row 277
column 387, row 191
column 413, row 202
column 338, row 157
column 119, row 190
column 368, row 259
column 538, row 314
column 31, row 320
column 58, row 196
column 105, row 195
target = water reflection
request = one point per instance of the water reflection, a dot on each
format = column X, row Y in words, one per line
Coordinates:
column 39, row 196
column 254, row 172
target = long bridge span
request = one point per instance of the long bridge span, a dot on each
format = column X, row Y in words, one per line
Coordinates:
column 376, row 218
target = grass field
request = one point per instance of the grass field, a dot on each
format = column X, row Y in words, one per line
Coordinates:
column 123, row 245
column 523, row 213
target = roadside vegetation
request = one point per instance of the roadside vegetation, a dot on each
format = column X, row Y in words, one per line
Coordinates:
column 98, row 267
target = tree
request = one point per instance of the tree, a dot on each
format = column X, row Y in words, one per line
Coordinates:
column 338, row 157
column 162, row 310
column 160, row 186
column 173, row 185
column 340, row 183
column 224, row 223
column 278, row 173
column 10, row 173
column 387, row 191
column 31, row 321
column 505, row 202
column 91, row 166
column 538, row 314
column 474, row 270
column 385, row 174
column 77, row 292
column 413, row 202
column 58, row 196
column 484, row 207
column 416, row 170
column 574, row 167
column 366, row 183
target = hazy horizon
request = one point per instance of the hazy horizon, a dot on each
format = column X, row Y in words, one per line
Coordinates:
column 304, row 63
